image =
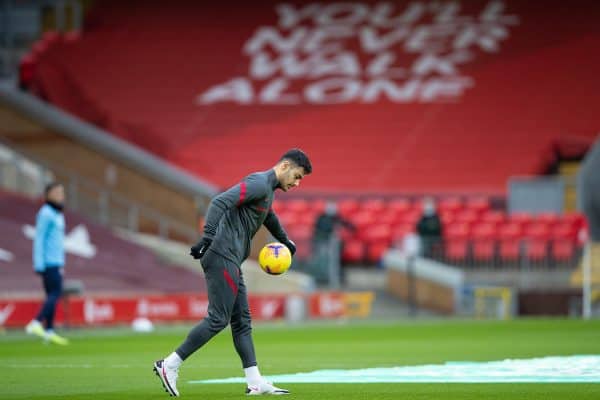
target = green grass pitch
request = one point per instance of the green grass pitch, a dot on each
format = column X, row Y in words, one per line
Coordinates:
column 116, row 364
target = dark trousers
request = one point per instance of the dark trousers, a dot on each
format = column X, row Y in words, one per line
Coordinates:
column 227, row 304
column 52, row 280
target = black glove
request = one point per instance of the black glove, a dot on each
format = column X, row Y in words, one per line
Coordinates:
column 198, row 250
column 290, row 245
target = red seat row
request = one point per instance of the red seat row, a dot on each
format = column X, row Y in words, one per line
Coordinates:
column 471, row 229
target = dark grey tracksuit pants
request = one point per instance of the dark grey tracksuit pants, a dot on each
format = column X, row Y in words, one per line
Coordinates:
column 227, row 303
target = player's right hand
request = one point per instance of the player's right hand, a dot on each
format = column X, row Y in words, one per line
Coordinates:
column 198, row 250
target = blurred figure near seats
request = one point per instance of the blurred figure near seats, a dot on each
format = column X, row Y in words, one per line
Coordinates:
column 429, row 228
column 324, row 234
column 49, row 260
column 326, row 223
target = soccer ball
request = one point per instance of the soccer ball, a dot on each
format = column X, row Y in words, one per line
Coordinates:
column 275, row 258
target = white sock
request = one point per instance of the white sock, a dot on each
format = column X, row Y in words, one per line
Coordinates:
column 173, row 360
column 253, row 376
column 35, row 322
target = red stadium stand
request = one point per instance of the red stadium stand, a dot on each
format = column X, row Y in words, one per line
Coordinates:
column 161, row 92
column 475, row 235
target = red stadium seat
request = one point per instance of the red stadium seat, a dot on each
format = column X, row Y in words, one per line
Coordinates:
column 379, row 233
column 307, row 218
column 448, row 218
column 564, row 231
column 563, row 250
column 363, row 220
column 301, row 232
column 484, row 250
column 354, row 251
column 389, row 217
column 400, row 231
column 478, row 204
column 493, row 217
column 411, row 217
column 373, row 205
column 509, row 250
column 318, row 206
column 348, row 207
column 575, row 219
column 538, row 230
column 484, row 242
column 467, row 217
column 400, row 205
column 456, row 242
column 457, row 231
column 288, row 218
column 375, row 252
column 509, row 245
column 536, row 244
column 456, row 249
column 564, row 237
column 521, row 218
column 278, row 206
column 536, row 249
column 298, row 205
column 451, row 204
column 510, row 230
column 547, row 218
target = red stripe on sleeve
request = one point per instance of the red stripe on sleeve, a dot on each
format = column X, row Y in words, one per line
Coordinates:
column 242, row 193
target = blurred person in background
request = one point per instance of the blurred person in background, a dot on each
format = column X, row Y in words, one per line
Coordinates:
column 326, row 229
column 49, row 260
column 429, row 228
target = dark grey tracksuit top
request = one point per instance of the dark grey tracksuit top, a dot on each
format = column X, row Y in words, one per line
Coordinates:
column 234, row 216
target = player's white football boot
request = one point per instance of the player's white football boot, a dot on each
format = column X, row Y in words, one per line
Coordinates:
column 52, row 337
column 35, row 328
column 265, row 388
column 168, row 377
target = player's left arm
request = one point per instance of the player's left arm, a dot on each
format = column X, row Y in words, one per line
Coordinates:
column 274, row 227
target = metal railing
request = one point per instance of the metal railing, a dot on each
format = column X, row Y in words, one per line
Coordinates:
column 23, row 174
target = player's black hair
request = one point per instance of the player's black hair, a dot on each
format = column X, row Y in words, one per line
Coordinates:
column 299, row 158
column 51, row 186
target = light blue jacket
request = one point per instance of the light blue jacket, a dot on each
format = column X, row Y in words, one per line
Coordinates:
column 49, row 241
